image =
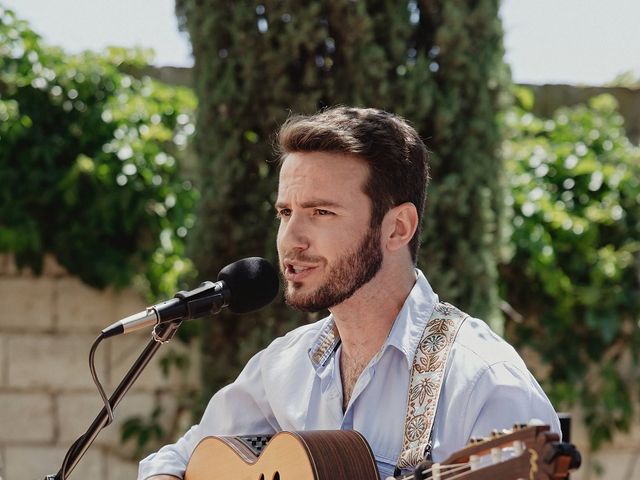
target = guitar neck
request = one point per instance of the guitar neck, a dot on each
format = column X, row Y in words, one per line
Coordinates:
column 532, row 452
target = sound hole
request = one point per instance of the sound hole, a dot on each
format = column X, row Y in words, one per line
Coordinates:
column 276, row 476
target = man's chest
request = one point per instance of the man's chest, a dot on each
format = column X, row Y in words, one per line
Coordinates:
column 377, row 406
column 350, row 372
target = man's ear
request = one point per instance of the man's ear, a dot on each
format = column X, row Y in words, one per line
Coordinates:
column 399, row 225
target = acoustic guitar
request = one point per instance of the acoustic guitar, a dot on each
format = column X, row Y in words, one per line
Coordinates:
column 526, row 452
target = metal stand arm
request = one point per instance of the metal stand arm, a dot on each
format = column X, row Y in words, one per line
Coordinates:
column 161, row 334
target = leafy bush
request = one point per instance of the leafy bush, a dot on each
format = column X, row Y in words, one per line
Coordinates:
column 574, row 267
column 88, row 167
column 628, row 79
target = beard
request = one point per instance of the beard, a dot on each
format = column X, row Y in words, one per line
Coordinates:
column 350, row 272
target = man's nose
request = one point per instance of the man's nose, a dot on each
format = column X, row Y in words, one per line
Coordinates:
column 293, row 234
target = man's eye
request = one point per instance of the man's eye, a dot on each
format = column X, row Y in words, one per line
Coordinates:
column 321, row 212
column 285, row 212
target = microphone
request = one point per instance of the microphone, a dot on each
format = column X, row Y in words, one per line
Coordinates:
column 243, row 286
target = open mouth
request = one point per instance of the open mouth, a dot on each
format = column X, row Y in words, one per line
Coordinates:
column 295, row 272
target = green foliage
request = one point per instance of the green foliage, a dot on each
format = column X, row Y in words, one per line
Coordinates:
column 142, row 431
column 143, row 434
column 88, row 167
column 574, row 267
column 438, row 63
column 629, row 79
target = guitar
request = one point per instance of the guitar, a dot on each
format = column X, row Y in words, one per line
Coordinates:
column 526, row 452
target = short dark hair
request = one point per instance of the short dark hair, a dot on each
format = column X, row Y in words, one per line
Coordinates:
column 395, row 153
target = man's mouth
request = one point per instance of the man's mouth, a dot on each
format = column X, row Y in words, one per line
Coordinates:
column 295, row 272
column 297, row 269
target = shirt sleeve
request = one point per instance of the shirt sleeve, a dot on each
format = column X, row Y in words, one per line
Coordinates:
column 240, row 407
column 504, row 396
column 496, row 396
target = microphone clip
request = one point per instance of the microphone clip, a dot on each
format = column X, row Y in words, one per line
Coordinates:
column 204, row 300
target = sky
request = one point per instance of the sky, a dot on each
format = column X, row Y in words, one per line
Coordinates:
column 586, row 42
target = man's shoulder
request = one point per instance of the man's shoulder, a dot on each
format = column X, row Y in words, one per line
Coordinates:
column 482, row 363
column 478, row 345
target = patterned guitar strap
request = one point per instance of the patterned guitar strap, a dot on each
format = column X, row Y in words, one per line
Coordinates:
column 427, row 375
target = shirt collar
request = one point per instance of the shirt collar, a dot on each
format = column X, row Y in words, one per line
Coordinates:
column 404, row 335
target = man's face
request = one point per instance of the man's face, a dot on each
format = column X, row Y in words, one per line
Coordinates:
column 326, row 247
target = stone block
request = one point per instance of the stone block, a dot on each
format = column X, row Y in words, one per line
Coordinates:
column 58, row 362
column 126, row 349
column 27, row 303
column 120, row 469
column 4, row 359
column 74, row 414
column 7, row 264
column 127, row 302
column 142, row 405
column 35, row 462
column 51, row 267
column 81, row 308
column 615, row 464
column 26, row 417
column 77, row 411
column 8, row 267
column 630, row 439
column 3, row 463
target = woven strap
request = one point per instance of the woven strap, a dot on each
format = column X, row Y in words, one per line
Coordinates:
column 427, row 374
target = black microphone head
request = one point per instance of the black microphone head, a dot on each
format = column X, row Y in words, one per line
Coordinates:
column 253, row 283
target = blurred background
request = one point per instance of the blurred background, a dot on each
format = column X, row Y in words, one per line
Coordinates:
column 135, row 161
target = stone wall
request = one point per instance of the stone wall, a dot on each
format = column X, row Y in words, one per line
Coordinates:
column 551, row 97
column 618, row 460
column 47, row 396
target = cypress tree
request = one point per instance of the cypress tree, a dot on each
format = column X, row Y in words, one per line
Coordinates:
column 462, row 44
column 434, row 62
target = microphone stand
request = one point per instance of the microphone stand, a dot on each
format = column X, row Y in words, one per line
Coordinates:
column 162, row 333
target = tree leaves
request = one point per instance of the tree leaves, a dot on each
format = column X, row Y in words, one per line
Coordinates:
column 575, row 261
column 87, row 163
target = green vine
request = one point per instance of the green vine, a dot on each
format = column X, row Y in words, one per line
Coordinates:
column 88, row 169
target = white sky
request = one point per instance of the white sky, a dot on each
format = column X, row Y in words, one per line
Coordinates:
column 571, row 41
column 547, row 41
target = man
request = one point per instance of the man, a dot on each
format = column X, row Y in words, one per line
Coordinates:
column 350, row 200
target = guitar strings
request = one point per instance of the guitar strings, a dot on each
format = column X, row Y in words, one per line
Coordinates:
column 450, row 471
column 445, row 471
column 459, row 473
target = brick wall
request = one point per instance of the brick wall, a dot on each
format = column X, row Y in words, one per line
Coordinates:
column 618, row 460
column 47, row 396
column 551, row 97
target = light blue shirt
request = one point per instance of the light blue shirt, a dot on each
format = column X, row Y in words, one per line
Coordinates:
column 294, row 384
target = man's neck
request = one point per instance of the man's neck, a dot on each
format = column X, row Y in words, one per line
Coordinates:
column 365, row 319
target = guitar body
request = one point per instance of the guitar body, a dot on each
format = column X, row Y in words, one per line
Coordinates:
column 526, row 452
column 312, row 455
